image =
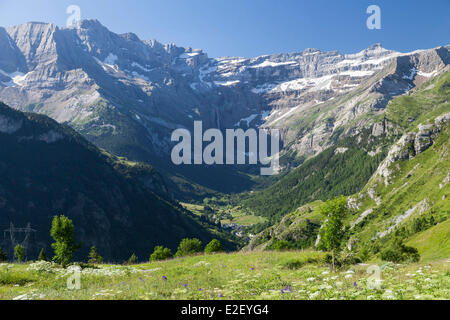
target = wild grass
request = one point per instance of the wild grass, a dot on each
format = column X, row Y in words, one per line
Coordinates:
column 293, row 275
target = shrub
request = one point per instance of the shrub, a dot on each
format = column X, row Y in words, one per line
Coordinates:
column 42, row 256
column 297, row 263
column 3, row 256
column 348, row 258
column 411, row 254
column 19, row 253
column 189, row 246
column 133, row 259
column 214, row 246
column 365, row 253
column 390, row 254
column 399, row 252
column 328, row 259
column 15, row 278
column 422, row 223
column 83, row 265
column 94, row 256
column 281, row 245
column 293, row 264
column 161, row 253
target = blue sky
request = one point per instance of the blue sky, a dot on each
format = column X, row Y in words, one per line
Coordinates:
column 254, row 27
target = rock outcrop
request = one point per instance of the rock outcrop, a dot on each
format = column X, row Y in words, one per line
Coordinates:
column 411, row 144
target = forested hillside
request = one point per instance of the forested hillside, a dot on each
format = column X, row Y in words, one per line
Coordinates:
column 47, row 169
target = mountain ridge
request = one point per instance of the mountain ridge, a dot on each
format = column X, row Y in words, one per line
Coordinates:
column 127, row 95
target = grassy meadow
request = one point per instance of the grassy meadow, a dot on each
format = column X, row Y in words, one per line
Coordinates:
column 291, row 275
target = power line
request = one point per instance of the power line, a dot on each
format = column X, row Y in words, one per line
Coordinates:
column 27, row 231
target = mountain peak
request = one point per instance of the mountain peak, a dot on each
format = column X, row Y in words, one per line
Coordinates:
column 375, row 46
column 90, row 24
column 311, row 51
column 130, row 36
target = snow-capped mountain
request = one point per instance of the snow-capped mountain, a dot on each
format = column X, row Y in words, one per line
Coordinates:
column 127, row 95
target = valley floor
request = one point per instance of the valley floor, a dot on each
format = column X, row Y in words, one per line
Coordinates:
column 294, row 275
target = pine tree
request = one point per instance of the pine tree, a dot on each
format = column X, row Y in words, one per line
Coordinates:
column 133, row 259
column 64, row 245
column 42, row 256
column 94, row 257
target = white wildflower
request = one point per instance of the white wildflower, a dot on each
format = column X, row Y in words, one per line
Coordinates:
column 21, row 297
column 313, row 295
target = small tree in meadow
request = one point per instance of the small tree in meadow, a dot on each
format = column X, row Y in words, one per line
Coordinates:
column 214, row 246
column 64, row 245
column 332, row 232
column 42, row 256
column 189, row 246
column 161, row 253
column 3, row 256
column 94, row 256
column 19, row 253
column 133, row 259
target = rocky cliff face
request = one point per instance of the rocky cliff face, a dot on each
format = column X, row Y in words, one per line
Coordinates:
column 127, row 95
column 412, row 144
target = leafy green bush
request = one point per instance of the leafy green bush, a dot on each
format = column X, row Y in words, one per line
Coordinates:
column 399, row 252
column 19, row 253
column 280, row 245
column 83, row 265
column 365, row 253
column 214, row 246
column 161, row 253
column 422, row 223
column 293, row 264
column 328, row 259
column 189, row 246
column 298, row 263
column 348, row 258
column 342, row 259
column 8, row 277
